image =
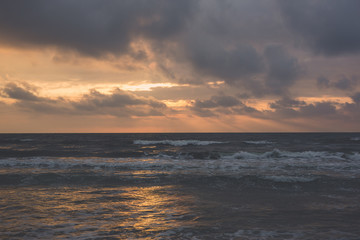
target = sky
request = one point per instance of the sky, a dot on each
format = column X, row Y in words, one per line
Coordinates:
column 179, row 66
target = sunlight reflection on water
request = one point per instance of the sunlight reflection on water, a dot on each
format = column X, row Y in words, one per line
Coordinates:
column 66, row 212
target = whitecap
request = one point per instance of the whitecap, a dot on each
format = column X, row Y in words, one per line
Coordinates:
column 176, row 142
column 26, row 140
column 289, row 179
column 259, row 142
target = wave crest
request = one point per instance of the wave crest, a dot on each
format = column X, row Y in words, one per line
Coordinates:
column 262, row 142
column 176, row 142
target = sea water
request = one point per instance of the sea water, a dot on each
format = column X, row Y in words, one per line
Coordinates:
column 180, row 186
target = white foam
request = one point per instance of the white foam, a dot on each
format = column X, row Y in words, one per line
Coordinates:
column 276, row 154
column 176, row 142
column 260, row 234
column 258, row 142
column 355, row 139
column 282, row 178
column 243, row 155
column 26, row 140
column 354, row 156
column 276, row 165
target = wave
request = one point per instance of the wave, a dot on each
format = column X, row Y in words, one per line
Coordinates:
column 259, row 142
column 26, row 140
column 309, row 155
column 274, row 163
column 290, row 179
column 176, row 142
column 246, row 181
column 355, row 139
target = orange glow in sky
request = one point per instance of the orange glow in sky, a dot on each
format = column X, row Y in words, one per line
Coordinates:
column 174, row 70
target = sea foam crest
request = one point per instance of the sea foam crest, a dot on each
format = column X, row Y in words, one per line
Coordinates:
column 259, row 142
column 284, row 178
column 176, row 142
column 276, row 153
column 278, row 166
column 354, row 156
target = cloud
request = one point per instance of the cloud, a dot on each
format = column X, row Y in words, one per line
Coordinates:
column 11, row 90
column 283, row 69
column 344, row 83
column 356, row 98
column 218, row 101
column 289, row 107
column 242, row 66
column 221, row 105
column 118, row 103
column 285, row 109
column 118, row 98
column 286, row 102
column 322, row 109
column 92, row 27
column 328, row 27
column 325, row 110
column 189, row 41
column 322, row 82
column 213, row 59
column 245, row 21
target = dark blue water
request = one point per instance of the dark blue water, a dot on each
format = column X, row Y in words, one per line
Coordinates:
column 180, row 186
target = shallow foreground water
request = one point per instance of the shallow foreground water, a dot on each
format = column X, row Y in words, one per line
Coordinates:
column 180, row 186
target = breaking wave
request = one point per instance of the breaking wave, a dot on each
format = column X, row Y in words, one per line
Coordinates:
column 275, row 165
column 258, row 142
column 176, row 142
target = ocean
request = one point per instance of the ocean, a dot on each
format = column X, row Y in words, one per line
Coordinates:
column 180, row 186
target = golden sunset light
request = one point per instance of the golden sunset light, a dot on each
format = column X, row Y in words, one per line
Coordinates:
column 149, row 66
column 182, row 119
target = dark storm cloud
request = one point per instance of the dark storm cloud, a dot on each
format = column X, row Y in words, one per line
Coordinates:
column 328, row 27
column 230, row 65
column 227, row 38
column 246, row 44
column 220, row 39
column 118, row 103
column 91, row 27
column 245, row 21
column 240, row 66
column 283, row 69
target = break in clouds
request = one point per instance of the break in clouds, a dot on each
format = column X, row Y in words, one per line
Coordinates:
column 282, row 51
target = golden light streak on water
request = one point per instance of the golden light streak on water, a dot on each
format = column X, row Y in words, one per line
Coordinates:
column 115, row 211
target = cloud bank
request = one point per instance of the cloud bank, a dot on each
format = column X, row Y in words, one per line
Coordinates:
column 267, row 60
